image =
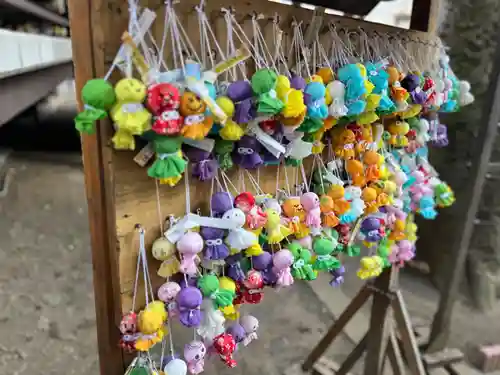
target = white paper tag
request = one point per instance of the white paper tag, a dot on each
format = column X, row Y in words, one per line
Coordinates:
column 191, row 221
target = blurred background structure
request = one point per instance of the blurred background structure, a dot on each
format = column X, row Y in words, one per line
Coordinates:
column 45, row 276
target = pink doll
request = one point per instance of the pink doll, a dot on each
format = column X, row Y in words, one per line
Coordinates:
column 194, row 354
column 401, row 252
column 282, row 261
column 310, row 202
column 189, row 246
column 167, row 293
column 250, row 324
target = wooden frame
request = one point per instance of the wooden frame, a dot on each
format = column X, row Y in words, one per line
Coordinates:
column 96, row 27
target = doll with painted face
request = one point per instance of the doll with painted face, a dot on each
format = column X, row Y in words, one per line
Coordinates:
column 255, row 217
column 295, row 217
column 196, row 123
column 163, row 101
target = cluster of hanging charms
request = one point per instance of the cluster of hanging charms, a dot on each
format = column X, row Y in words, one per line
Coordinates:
column 346, row 125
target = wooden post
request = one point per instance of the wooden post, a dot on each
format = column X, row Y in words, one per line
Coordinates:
column 93, row 39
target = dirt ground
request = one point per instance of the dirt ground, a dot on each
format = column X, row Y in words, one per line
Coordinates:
column 47, row 322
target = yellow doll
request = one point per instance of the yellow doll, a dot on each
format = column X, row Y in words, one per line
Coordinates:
column 398, row 131
column 231, row 131
column 345, row 145
column 196, row 123
column 276, row 232
column 150, row 323
column 171, row 181
column 340, row 205
column 230, row 312
column 128, row 114
column 165, row 251
column 326, row 75
column 370, row 267
column 369, row 116
column 294, row 211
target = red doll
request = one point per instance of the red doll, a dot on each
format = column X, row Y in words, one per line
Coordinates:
column 128, row 328
column 251, row 290
column 225, row 346
column 255, row 217
column 163, row 101
column 344, row 233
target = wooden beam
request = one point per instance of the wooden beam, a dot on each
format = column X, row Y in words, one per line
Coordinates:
column 90, row 23
column 479, row 167
column 424, row 15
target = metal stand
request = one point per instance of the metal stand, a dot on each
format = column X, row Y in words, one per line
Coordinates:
column 383, row 339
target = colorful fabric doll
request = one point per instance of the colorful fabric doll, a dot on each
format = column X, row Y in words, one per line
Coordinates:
column 215, row 248
column 167, row 293
column 225, row 346
column 231, row 131
column 175, row 366
column 295, row 217
column 316, row 108
column 263, row 85
column 163, row 101
column 443, row 194
column 246, row 153
column 250, row 324
column 204, row 167
column 212, row 323
column 244, row 111
column 345, row 148
column 310, row 202
column 282, row 261
column 169, row 164
column 264, row 263
column 189, row 301
column 234, row 270
column 255, row 217
column 128, row 330
column 372, row 232
column 238, row 238
column 276, row 232
column 238, row 332
column 402, row 252
column 98, row 97
column 221, row 202
column 337, row 276
column 223, row 150
column 165, row 251
column 238, row 91
column 370, row 267
column 411, row 82
column 196, row 124
column 337, row 108
column 337, row 193
column 150, row 322
column 128, row 113
column 323, row 247
column 210, row 287
column 189, row 246
column 194, row 354
column 251, row 289
column 302, row 268
column 326, row 205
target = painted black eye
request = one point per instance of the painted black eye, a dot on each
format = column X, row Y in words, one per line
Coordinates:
column 197, row 356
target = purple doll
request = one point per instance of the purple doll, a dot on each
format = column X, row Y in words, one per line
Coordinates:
column 297, row 83
column 188, row 302
column 246, row 153
column 234, row 270
column 337, row 276
column 215, row 248
column 370, row 228
column 412, row 84
column 189, row 246
column 204, row 166
column 440, row 138
column 244, row 112
column 239, row 90
column 188, row 281
column 220, row 203
column 264, row 264
column 401, row 252
column 237, row 331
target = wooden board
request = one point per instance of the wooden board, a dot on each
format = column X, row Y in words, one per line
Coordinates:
column 119, row 193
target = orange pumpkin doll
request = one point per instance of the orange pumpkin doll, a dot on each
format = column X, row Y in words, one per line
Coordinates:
column 196, row 123
column 328, row 217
